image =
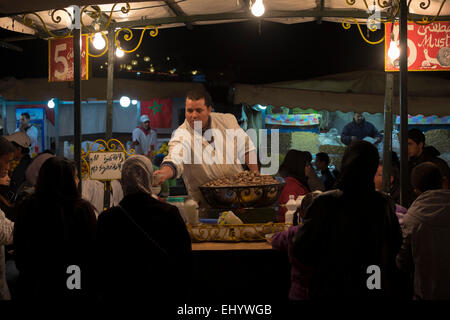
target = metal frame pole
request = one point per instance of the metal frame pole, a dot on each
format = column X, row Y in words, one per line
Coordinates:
column 110, row 85
column 404, row 172
column 56, row 126
column 77, row 91
column 387, row 143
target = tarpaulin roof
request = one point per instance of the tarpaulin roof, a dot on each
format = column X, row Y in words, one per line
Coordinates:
column 173, row 13
column 42, row 90
column 354, row 91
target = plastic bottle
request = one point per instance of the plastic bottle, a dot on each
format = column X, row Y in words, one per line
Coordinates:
column 191, row 211
column 291, row 206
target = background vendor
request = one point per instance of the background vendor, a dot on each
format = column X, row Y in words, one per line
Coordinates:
column 144, row 138
column 199, row 109
column 359, row 129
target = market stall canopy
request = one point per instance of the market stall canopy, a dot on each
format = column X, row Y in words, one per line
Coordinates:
column 355, row 91
column 175, row 13
column 42, row 90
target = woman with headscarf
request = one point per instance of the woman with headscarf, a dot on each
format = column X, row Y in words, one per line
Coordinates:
column 54, row 237
column 144, row 248
column 350, row 236
column 294, row 169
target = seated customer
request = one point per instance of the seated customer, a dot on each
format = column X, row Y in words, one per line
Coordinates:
column 144, row 248
column 426, row 234
column 54, row 230
column 314, row 182
column 295, row 170
column 322, row 163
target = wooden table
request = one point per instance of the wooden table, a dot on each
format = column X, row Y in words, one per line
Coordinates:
column 201, row 246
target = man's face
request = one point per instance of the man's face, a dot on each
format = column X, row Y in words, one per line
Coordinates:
column 146, row 125
column 24, row 121
column 196, row 110
column 4, row 163
column 358, row 117
column 320, row 165
column 414, row 149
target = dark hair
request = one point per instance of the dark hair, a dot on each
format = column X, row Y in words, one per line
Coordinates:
column 294, row 166
column 416, row 135
column 426, row 176
column 26, row 115
column 359, row 166
column 308, row 156
column 322, row 156
column 22, row 149
column 197, row 94
column 5, row 147
column 56, row 181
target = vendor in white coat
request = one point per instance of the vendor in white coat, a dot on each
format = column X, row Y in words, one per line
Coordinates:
column 144, row 138
column 201, row 155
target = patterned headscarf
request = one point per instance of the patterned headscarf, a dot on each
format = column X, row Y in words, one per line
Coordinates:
column 137, row 175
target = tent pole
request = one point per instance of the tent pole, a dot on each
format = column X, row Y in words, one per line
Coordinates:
column 110, row 85
column 404, row 172
column 77, row 91
column 56, row 126
column 387, row 146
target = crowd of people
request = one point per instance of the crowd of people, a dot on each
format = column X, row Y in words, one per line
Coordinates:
column 354, row 241
column 354, row 227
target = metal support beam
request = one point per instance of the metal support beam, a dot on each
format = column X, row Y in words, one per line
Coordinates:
column 10, row 46
column 404, row 171
column 357, row 14
column 77, row 92
column 110, row 84
column 56, row 100
column 320, row 6
column 176, row 9
column 387, row 143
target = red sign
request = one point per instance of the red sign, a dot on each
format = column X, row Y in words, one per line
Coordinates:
column 60, row 59
column 159, row 111
column 428, row 46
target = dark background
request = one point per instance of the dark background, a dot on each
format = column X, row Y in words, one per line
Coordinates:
column 247, row 52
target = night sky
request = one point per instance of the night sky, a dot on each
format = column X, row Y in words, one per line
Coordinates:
column 246, row 52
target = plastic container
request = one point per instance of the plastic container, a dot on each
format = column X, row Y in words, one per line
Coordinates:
column 179, row 203
column 191, row 211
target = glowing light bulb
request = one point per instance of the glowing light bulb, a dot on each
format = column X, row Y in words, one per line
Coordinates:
column 119, row 53
column 51, row 104
column 258, row 8
column 134, row 102
column 98, row 41
column 125, row 102
column 394, row 51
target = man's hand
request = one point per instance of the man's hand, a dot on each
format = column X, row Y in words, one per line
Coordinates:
column 165, row 173
column 378, row 140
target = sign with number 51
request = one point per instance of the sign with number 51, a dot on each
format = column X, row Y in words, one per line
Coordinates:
column 60, row 59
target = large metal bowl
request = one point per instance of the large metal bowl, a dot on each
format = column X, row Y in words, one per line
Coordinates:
column 235, row 197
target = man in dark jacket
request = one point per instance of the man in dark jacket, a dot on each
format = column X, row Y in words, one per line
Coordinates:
column 419, row 153
column 358, row 129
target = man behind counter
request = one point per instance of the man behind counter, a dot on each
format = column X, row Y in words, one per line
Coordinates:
column 199, row 109
column 358, row 129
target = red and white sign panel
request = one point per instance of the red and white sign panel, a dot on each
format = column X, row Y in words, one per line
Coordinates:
column 60, row 59
column 428, row 46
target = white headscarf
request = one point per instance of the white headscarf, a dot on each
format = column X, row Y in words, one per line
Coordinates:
column 137, row 175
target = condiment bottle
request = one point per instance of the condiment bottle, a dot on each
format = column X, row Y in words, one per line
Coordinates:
column 291, row 206
column 191, row 211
